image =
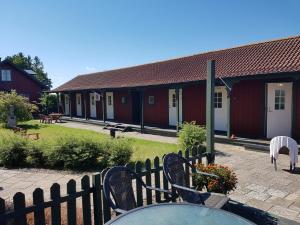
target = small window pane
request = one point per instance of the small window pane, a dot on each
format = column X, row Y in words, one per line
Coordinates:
column 151, row 100
column 276, row 100
column 174, row 100
column 93, row 100
column 109, row 100
column 277, row 93
column 124, row 100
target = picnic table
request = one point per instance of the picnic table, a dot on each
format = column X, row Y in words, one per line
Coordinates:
column 56, row 117
column 178, row 214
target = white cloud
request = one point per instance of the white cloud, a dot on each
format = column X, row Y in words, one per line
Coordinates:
column 88, row 68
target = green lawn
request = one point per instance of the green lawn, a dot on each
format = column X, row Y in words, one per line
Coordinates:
column 143, row 149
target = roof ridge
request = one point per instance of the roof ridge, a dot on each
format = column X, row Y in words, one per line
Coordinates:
column 197, row 54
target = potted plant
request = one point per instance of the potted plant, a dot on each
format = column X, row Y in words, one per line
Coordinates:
column 225, row 182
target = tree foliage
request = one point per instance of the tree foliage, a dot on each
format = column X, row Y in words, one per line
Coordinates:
column 23, row 109
column 48, row 103
column 35, row 64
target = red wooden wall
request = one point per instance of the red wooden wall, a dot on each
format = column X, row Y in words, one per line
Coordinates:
column 21, row 83
column 248, row 108
column 193, row 103
column 158, row 113
column 123, row 112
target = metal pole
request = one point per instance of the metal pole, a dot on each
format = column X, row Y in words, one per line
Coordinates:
column 85, row 105
column 177, row 109
column 210, row 128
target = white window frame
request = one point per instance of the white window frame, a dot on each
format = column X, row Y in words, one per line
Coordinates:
column 218, row 100
column 6, row 75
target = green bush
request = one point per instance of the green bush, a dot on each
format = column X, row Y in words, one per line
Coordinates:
column 23, row 109
column 35, row 155
column 191, row 136
column 76, row 153
column 120, row 151
column 13, row 150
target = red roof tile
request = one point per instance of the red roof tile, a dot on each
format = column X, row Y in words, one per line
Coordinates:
column 262, row 58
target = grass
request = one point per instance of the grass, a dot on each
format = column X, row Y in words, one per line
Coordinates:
column 143, row 149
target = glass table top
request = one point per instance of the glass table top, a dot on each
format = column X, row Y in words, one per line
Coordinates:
column 178, row 214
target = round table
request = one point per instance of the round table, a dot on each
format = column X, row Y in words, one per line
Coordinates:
column 178, row 214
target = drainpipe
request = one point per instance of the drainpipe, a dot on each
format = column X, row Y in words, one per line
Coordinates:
column 177, row 109
column 142, row 110
column 210, row 127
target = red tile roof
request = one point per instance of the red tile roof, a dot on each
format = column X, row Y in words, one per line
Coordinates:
column 261, row 58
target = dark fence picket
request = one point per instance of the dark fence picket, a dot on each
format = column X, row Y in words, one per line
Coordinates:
column 2, row 211
column 148, row 181
column 39, row 210
column 71, row 203
column 86, row 200
column 106, row 208
column 56, row 207
column 157, row 178
column 139, row 188
column 101, row 208
column 19, row 206
column 194, row 155
column 97, row 199
column 187, row 168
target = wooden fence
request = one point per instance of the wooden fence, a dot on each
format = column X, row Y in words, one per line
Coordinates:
column 93, row 208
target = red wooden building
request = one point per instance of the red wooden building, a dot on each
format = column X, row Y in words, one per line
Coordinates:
column 257, row 93
column 23, row 81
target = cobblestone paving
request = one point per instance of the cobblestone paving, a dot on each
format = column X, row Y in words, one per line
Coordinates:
column 260, row 186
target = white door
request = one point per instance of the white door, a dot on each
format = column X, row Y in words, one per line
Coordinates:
column 78, row 105
column 67, row 105
column 110, row 105
column 220, row 99
column 93, row 112
column 173, row 109
column 279, row 115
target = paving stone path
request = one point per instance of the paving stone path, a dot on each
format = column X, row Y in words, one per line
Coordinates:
column 260, row 186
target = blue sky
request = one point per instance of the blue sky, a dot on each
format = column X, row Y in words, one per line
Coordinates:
column 74, row 37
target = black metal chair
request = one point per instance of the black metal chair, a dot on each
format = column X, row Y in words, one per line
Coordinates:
column 173, row 166
column 117, row 184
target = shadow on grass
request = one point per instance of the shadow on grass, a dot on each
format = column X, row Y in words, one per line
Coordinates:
column 33, row 126
column 257, row 216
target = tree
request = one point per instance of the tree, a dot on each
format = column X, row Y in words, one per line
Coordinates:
column 35, row 64
column 23, row 109
column 48, row 103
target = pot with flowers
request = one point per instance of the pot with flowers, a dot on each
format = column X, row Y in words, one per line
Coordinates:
column 225, row 182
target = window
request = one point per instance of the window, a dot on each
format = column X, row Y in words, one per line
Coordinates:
column 109, row 100
column 279, row 99
column 173, row 100
column 124, row 100
column 78, row 99
column 151, row 100
column 5, row 75
column 93, row 100
column 218, row 100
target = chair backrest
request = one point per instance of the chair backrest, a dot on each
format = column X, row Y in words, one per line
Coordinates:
column 173, row 167
column 118, row 184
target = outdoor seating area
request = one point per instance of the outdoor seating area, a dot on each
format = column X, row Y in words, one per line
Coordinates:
column 52, row 117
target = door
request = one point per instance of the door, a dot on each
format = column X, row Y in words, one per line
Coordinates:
column 173, row 108
column 93, row 109
column 110, row 105
column 279, row 110
column 78, row 105
column 67, row 105
column 220, row 99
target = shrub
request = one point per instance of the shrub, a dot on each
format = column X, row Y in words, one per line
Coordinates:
column 119, row 150
column 13, row 150
column 191, row 136
column 48, row 103
column 227, row 179
column 77, row 153
column 23, row 109
column 35, row 155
